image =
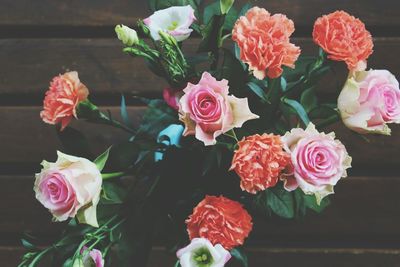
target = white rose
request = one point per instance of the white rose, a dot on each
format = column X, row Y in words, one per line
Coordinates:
column 69, row 187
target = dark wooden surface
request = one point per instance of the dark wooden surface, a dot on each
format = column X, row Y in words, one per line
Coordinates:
column 39, row 39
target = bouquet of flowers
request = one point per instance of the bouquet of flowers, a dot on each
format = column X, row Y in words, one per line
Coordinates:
column 237, row 138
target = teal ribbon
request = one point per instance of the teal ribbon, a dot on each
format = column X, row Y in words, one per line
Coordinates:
column 170, row 136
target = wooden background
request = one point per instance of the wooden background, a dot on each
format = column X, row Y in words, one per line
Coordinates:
column 42, row 38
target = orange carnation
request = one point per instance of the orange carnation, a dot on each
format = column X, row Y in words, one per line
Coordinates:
column 264, row 42
column 259, row 161
column 344, row 38
column 65, row 93
column 221, row 221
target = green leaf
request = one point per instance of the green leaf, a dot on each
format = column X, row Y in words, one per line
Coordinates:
column 299, row 110
column 275, row 200
column 124, row 112
column 177, row 264
column 323, row 111
column 212, row 34
column 310, row 202
column 283, row 84
column 157, row 117
column 258, row 91
column 280, row 202
column 244, row 9
column 113, row 193
column 69, row 262
column 226, row 5
column 210, row 11
column 28, row 245
column 240, row 256
column 101, row 160
column 304, row 202
column 308, row 99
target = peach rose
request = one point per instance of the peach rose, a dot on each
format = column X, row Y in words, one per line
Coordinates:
column 208, row 111
column 259, row 161
column 344, row 38
column 221, row 221
column 264, row 42
column 61, row 100
column 319, row 161
column 69, row 187
column 369, row 101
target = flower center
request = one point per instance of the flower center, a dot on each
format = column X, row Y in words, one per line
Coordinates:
column 173, row 25
column 202, row 257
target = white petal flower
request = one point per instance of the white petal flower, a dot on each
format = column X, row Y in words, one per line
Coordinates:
column 174, row 20
column 200, row 252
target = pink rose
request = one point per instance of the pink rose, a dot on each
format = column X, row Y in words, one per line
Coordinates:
column 208, row 111
column 369, row 101
column 69, row 187
column 319, row 161
column 60, row 103
column 92, row 258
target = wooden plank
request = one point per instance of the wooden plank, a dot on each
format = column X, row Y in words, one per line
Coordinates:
column 28, row 140
column 365, row 212
column 104, row 13
column 107, row 71
column 277, row 257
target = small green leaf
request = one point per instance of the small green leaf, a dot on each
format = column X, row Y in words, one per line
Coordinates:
column 244, row 9
column 240, row 256
column 226, row 5
column 177, row 264
column 258, row 91
column 309, row 99
column 124, row 112
column 283, row 84
column 311, row 203
column 113, row 193
column 101, row 160
column 299, row 110
column 28, row 245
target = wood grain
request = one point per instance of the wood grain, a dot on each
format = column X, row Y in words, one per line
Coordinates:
column 277, row 257
column 28, row 140
column 103, row 12
column 365, row 212
column 108, row 72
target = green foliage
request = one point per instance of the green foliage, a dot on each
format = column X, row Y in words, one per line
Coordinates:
column 299, row 109
column 258, row 91
column 101, row 160
column 157, row 117
column 285, row 204
column 239, row 255
column 226, row 5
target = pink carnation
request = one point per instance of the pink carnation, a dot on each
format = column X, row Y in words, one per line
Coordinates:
column 264, row 42
column 65, row 93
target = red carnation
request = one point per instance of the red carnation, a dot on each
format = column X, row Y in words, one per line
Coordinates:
column 221, row 221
